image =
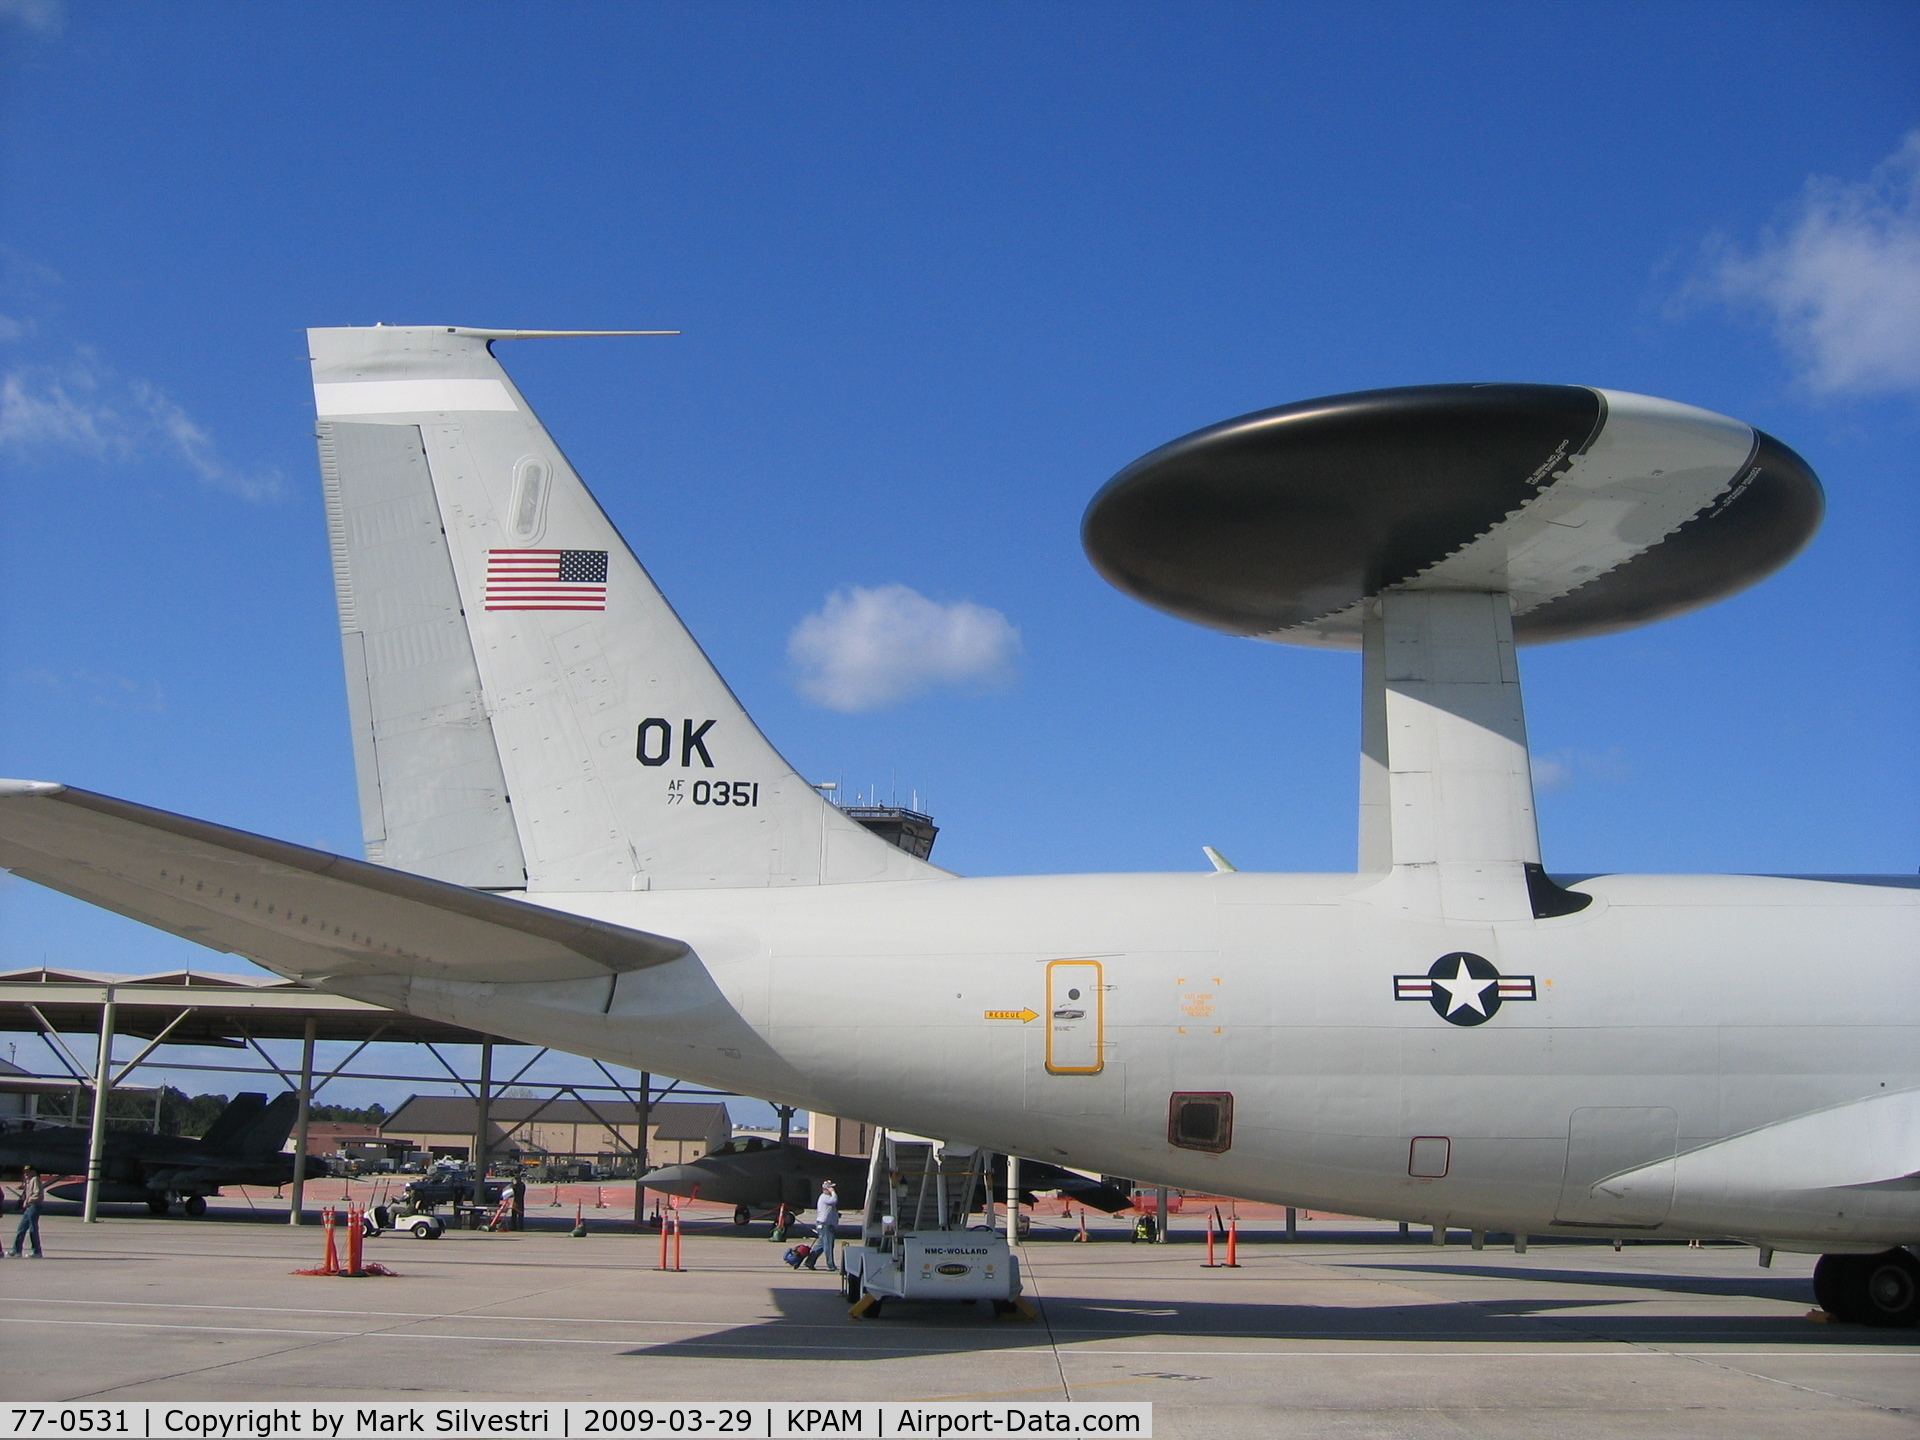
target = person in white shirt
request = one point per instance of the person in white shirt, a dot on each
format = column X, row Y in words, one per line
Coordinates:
column 33, row 1191
column 826, row 1224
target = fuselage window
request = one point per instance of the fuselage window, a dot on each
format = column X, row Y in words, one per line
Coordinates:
column 1200, row 1121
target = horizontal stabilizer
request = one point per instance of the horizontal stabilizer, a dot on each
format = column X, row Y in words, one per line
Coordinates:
column 297, row 911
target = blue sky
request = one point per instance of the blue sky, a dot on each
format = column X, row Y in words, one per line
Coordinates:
column 942, row 270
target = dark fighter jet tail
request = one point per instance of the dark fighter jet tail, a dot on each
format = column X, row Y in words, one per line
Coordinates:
column 260, row 1134
column 241, row 1112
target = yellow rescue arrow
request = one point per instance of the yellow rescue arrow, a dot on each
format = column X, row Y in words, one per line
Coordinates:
column 1023, row 1016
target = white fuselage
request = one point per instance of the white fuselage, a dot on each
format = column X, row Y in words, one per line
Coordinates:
column 1722, row 1008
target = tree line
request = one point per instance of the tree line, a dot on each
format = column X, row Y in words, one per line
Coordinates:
column 190, row 1115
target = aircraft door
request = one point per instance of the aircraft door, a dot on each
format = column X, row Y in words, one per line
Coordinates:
column 1619, row 1166
column 1076, row 1017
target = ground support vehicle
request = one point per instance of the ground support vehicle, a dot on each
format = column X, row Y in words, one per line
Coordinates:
column 914, row 1242
column 421, row 1224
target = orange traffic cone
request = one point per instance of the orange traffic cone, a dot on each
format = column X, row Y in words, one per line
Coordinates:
column 579, row 1221
column 330, row 1260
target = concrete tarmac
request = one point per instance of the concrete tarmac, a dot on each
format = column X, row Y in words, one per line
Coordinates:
column 1349, row 1332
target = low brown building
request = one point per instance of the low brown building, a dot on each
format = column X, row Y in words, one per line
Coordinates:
column 326, row 1136
column 836, row 1136
column 526, row 1130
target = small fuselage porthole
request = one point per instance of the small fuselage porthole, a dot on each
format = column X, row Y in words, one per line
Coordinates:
column 1200, row 1121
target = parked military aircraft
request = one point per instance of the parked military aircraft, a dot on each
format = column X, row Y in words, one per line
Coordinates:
column 755, row 1175
column 240, row 1147
column 575, row 836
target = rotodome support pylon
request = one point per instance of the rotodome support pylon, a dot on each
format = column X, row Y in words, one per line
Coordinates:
column 1434, row 528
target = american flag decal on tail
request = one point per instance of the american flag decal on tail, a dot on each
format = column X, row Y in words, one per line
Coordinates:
column 546, row 580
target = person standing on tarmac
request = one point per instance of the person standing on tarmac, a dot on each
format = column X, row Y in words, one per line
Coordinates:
column 33, row 1190
column 827, row 1223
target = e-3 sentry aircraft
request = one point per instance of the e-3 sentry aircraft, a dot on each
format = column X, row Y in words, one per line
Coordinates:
column 576, row 837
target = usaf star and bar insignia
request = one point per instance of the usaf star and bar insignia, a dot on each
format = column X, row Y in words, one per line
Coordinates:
column 1463, row 988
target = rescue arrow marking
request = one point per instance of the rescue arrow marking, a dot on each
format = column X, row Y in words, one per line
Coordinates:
column 1023, row 1016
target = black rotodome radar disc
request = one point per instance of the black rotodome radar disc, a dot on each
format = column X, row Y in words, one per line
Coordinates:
column 1595, row 510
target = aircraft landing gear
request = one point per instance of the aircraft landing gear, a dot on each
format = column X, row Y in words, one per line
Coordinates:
column 156, row 1204
column 742, row 1215
column 1881, row 1290
column 194, row 1205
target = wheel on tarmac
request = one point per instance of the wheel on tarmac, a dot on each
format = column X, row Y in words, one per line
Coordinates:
column 1881, row 1290
column 742, row 1215
column 195, row 1205
column 424, row 1229
column 849, row 1286
column 156, row 1205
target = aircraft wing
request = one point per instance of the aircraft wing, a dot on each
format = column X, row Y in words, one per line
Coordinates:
column 298, row 912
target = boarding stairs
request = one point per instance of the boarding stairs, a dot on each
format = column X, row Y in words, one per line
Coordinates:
column 914, row 1240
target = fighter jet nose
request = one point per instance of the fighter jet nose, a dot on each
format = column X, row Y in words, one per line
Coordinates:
column 673, row 1179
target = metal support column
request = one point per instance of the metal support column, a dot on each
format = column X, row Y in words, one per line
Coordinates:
column 645, row 1156
column 482, row 1141
column 1159, row 1214
column 1293, row 1223
column 1013, row 1199
column 300, row 1125
column 102, row 1088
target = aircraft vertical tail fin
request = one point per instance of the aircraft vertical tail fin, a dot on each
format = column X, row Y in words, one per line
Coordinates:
column 241, row 1112
column 528, row 711
column 267, row 1131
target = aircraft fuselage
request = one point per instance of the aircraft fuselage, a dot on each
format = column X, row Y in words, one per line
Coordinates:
column 1644, row 1037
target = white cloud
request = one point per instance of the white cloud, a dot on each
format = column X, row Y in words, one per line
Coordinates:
column 102, row 689
column 1550, row 775
column 36, row 17
column 1566, row 768
column 865, row 649
column 85, row 408
column 1841, row 279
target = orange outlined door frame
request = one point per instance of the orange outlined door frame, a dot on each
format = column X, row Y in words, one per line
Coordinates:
column 1076, row 1023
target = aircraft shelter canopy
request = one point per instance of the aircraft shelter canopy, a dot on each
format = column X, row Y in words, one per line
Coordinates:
column 225, row 1010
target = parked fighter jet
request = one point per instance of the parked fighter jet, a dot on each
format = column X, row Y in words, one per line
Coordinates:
column 241, row 1147
column 756, row 1175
